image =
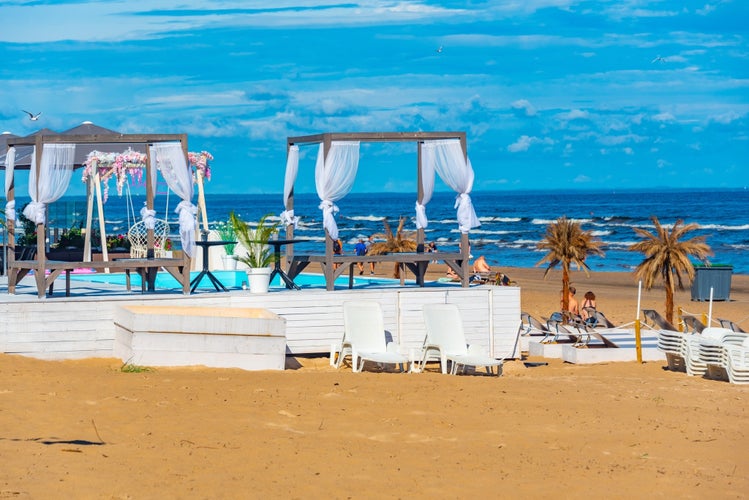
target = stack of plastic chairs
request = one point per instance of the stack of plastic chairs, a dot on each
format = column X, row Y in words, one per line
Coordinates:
column 673, row 344
column 711, row 349
column 737, row 362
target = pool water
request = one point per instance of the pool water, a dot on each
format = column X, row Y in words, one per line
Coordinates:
column 230, row 279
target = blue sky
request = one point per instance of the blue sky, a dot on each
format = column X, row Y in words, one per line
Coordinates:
column 554, row 94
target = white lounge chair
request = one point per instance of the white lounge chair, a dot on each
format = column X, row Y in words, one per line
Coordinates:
column 737, row 362
column 711, row 350
column 446, row 341
column 364, row 337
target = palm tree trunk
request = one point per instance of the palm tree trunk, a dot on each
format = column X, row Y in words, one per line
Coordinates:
column 565, row 292
column 669, row 286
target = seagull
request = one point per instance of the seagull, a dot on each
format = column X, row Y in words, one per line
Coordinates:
column 658, row 59
column 439, row 50
column 33, row 117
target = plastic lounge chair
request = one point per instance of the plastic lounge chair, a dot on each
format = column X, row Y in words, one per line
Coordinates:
column 446, row 340
column 712, row 349
column 727, row 323
column 657, row 320
column 692, row 324
column 575, row 333
column 532, row 326
column 673, row 345
column 138, row 237
column 737, row 362
column 364, row 336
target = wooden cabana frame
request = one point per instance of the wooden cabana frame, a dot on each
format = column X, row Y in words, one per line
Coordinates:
column 459, row 262
column 177, row 267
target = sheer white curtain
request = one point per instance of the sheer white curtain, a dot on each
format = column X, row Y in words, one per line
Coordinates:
column 170, row 160
column 456, row 171
column 292, row 167
column 10, row 163
column 334, row 177
column 53, row 180
column 427, row 184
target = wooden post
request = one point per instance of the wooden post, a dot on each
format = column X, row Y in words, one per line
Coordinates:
column 201, row 200
column 419, row 194
column 89, row 216
column 41, row 255
column 149, row 204
column 638, row 341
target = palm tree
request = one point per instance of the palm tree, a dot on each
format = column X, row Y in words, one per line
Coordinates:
column 567, row 244
column 401, row 241
column 667, row 257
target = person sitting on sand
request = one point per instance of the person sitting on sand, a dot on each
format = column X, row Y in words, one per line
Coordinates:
column 573, row 307
column 481, row 266
column 588, row 308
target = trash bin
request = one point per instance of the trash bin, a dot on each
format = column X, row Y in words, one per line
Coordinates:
column 717, row 277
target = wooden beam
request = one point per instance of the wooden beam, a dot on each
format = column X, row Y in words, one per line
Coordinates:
column 377, row 137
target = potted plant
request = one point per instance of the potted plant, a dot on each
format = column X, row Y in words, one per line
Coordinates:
column 258, row 256
column 225, row 231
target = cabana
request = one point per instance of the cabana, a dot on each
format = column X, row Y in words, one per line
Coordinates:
column 438, row 153
column 51, row 168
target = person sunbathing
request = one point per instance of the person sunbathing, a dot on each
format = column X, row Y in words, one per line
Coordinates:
column 481, row 266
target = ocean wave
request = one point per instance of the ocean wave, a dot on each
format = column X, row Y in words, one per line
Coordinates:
column 721, row 227
column 368, row 218
column 500, row 219
column 601, row 233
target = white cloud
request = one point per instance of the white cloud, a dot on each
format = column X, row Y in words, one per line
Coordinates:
column 525, row 105
column 524, row 143
column 580, row 179
column 664, row 117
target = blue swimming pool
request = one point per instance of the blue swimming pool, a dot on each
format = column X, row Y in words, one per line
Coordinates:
column 230, row 279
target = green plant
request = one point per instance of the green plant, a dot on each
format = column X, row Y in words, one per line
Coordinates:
column 226, row 232
column 131, row 368
column 29, row 229
column 258, row 254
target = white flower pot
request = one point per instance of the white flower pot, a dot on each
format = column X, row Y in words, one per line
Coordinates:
column 230, row 262
column 259, row 279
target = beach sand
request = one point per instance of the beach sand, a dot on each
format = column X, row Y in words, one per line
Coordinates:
column 85, row 429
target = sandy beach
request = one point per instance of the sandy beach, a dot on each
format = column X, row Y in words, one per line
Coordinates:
column 86, row 429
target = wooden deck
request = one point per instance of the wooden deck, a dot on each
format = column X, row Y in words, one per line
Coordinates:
column 83, row 325
column 417, row 262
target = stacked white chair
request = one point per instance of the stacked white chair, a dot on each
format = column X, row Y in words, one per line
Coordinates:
column 711, row 349
column 673, row 344
column 737, row 362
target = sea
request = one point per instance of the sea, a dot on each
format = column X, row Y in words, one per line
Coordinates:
column 512, row 222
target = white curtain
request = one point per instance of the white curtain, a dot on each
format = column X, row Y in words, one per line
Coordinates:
column 292, row 167
column 10, row 163
column 427, row 184
column 455, row 170
column 334, row 178
column 170, row 159
column 53, row 180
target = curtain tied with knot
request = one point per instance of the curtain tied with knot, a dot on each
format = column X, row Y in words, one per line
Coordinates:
column 334, row 178
column 148, row 217
column 52, row 180
column 455, row 169
column 170, row 160
column 427, row 183
column 10, row 162
column 292, row 167
column 187, row 212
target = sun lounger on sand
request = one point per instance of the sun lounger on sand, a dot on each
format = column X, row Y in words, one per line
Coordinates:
column 657, row 321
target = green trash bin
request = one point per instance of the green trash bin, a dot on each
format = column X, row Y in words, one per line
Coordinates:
column 717, row 277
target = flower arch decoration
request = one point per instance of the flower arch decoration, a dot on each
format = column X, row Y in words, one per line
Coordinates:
column 132, row 163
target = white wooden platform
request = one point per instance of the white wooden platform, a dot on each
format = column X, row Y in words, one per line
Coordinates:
column 220, row 337
column 83, row 325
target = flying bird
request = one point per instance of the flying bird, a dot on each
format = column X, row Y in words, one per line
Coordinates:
column 658, row 59
column 439, row 50
column 33, row 117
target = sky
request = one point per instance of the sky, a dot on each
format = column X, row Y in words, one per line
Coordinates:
column 553, row 94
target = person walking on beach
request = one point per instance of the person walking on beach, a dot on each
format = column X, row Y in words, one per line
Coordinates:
column 368, row 243
column 360, row 249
